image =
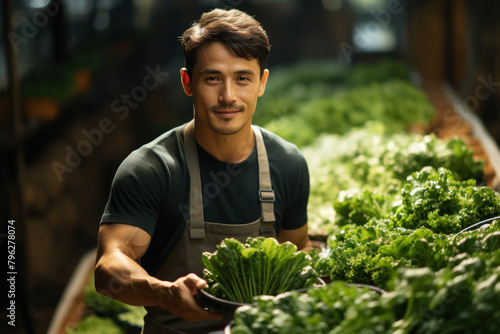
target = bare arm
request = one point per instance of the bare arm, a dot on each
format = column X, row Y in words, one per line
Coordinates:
column 119, row 276
column 298, row 237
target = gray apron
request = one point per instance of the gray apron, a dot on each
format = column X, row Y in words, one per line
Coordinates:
column 200, row 236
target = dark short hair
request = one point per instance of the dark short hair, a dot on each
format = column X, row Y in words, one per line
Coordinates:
column 240, row 31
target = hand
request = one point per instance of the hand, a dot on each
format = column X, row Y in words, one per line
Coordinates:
column 177, row 297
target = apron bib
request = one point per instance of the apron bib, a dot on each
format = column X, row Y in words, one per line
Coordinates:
column 200, row 236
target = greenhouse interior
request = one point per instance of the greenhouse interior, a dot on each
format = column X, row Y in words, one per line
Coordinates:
column 381, row 123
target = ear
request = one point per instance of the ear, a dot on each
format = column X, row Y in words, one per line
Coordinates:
column 263, row 82
column 186, row 82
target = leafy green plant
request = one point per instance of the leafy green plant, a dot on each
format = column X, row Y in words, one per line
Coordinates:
column 290, row 87
column 373, row 253
column 359, row 207
column 102, row 304
column 460, row 298
column 239, row 272
column 397, row 104
column 319, row 310
column 92, row 324
column 360, row 175
column 434, row 199
column 133, row 317
column 108, row 312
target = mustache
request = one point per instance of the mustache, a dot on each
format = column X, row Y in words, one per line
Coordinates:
column 228, row 106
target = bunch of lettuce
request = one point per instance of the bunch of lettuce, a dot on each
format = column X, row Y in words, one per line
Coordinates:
column 359, row 206
column 421, row 230
column 239, row 272
column 372, row 254
column 434, row 199
column 368, row 166
column 404, row 158
column 398, row 104
column 429, row 198
column 291, row 86
column 462, row 298
column 319, row 310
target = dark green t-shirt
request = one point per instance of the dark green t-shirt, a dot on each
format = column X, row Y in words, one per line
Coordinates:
column 151, row 189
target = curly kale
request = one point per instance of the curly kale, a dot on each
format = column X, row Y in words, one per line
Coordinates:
column 453, row 154
column 434, row 199
column 353, row 207
column 372, row 254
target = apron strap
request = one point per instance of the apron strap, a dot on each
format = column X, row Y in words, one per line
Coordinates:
column 196, row 219
column 266, row 192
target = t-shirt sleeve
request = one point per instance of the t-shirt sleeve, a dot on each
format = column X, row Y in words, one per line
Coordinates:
column 137, row 191
column 296, row 213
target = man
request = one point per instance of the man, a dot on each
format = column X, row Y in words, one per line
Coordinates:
column 215, row 177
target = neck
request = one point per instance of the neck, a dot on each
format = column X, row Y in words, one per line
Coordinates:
column 233, row 148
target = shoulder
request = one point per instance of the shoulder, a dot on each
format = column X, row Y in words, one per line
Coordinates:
column 156, row 157
column 286, row 161
column 280, row 148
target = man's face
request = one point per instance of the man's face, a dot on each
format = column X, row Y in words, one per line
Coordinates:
column 225, row 88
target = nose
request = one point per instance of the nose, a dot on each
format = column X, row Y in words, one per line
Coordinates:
column 227, row 94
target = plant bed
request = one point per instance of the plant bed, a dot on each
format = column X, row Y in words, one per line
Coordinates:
column 82, row 310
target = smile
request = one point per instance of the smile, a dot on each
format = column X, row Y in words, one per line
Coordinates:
column 226, row 113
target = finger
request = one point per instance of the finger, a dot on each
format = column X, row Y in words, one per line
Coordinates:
column 201, row 284
column 194, row 282
column 199, row 312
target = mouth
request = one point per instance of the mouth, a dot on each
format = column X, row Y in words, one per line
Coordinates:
column 226, row 113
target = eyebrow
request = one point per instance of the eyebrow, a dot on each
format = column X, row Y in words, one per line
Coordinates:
column 213, row 71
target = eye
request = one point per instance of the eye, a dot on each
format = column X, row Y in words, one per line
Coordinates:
column 243, row 78
column 212, row 79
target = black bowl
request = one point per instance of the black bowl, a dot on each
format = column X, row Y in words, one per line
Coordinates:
column 227, row 307
column 219, row 305
column 371, row 287
column 227, row 329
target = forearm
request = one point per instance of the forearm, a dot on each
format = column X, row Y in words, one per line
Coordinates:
column 123, row 279
column 306, row 245
column 119, row 276
column 299, row 237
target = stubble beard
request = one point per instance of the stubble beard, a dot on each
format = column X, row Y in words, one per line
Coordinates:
column 226, row 130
